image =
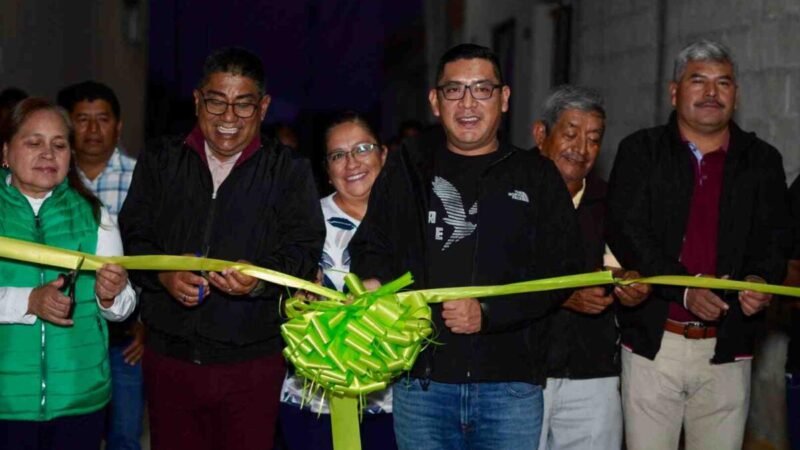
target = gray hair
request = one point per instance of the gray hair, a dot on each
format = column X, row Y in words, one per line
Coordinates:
column 702, row 50
column 566, row 97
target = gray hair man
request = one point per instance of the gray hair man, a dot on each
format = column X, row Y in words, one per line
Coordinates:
column 697, row 196
column 582, row 407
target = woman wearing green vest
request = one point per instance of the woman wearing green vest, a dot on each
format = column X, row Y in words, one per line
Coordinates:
column 54, row 372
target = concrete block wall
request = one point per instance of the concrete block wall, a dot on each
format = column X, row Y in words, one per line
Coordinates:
column 616, row 51
column 46, row 45
column 620, row 50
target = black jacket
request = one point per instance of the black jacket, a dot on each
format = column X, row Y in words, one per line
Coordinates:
column 793, row 355
column 516, row 241
column 586, row 345
column 266, row 212
column 649, row 196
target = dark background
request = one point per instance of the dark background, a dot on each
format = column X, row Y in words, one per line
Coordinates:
column 319, row 57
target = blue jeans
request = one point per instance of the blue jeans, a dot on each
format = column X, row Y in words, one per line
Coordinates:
column 473, row 416
column 127, row 403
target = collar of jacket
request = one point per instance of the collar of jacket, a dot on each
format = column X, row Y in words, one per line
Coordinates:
column 739, row 139
column 421, row 151
column 595, row 189
column 196, row 140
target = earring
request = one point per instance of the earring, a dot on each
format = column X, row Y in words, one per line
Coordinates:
column 5, row 165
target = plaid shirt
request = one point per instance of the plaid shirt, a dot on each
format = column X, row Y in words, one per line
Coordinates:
column 111, row 186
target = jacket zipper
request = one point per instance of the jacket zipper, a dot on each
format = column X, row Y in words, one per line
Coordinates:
column 42, row 355
column 206, row 245
column 474, row 337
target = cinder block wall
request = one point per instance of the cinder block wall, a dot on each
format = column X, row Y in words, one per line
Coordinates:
column 46, row 45
column 626, row 48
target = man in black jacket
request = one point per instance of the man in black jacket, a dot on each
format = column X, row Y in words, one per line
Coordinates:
column 459, row 207
column 697, row 196
column 213, row 365
column 793, row 354
column 582, row 407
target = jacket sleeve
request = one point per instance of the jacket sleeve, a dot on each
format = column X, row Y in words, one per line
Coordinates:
column 136, row 220
column 629, row 232
column 794, row 199
column 372, row 251
column 769, row 244
column 558, row 251
column 300, row 232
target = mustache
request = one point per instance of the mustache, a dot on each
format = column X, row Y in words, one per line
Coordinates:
column 574, row 156
column 710, row 102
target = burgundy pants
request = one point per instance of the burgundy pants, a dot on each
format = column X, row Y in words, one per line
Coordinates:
column 212, row 407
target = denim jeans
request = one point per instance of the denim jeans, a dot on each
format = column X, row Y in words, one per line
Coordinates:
column 127, row 403
column 472, row 416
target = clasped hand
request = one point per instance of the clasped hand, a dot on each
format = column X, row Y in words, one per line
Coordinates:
column 189, row 289
column 708, row 306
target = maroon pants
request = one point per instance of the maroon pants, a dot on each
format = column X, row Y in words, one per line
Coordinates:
column 215, row 406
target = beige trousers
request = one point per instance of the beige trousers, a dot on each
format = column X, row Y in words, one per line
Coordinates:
column 682, row 388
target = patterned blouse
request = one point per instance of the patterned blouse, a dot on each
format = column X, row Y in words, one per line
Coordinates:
column 335, row 263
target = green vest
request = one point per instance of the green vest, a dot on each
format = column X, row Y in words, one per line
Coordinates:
column 46, row 370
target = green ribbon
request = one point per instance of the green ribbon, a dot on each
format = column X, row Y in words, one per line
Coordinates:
column 351, row 345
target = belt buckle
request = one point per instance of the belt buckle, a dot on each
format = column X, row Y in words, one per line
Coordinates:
column 689, row 325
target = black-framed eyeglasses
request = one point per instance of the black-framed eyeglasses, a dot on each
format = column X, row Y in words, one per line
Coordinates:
column 242, row 110
column 480, row 90
column 359, row 152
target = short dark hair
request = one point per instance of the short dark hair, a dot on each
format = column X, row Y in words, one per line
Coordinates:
column 89, row 90
column 469, row 51
column 350, row 116
column 237, row 61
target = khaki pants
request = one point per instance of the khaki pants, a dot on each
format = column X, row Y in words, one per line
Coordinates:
column 682, row 388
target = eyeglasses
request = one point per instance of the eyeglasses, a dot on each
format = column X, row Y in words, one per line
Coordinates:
column 243, row 110
column 359, row 152
column 480, row 90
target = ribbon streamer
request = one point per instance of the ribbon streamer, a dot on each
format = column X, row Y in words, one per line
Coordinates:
column 351, row 345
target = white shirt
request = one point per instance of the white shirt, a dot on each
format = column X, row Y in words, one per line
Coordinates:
column 14, row 300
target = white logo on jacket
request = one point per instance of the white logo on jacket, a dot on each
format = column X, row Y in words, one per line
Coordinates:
column 519, row 196
column 456, row 214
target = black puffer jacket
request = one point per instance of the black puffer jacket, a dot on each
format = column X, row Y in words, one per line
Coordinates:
column 266, row 212
column 516, row 241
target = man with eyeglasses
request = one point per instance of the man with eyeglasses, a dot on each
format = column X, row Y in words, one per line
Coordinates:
column 212, row 366
column 459, row 206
